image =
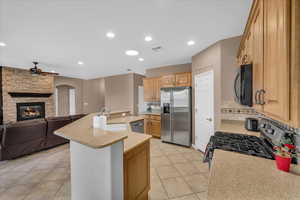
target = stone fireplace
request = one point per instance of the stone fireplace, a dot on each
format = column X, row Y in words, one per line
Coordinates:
column 28, row 89
column 31, row 110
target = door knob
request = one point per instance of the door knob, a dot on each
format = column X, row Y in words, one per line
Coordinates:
column 209, row 119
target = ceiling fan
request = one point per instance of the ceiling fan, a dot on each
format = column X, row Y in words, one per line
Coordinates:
column 37, row 71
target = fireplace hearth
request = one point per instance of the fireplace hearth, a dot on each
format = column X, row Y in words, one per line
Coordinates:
column 32, row 110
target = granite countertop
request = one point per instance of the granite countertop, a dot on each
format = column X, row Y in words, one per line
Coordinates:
column 81, row 131
column 235, row 176
column 234, row 126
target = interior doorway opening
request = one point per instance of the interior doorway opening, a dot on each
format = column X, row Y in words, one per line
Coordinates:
column 65, row 100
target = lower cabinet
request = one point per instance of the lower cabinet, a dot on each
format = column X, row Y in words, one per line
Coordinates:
column 152, row 125
column 137, row 172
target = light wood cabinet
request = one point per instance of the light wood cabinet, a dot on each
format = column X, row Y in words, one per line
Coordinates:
column 271, row 43
column 152, row 89
column 258, row 54
column 148, row 89
column 276, row 58
column 155, row 128
column 168, row 81
column 152, row 125
column 137, row 172
column 156, row 90
column 183, row 79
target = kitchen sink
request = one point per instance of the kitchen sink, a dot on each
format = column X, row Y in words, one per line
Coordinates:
column 116, row 127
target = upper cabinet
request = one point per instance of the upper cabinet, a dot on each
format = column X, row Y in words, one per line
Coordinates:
column 270, row 42
column 257, row 30
column 277, row 58
column 152, row 85
column 168, row 81
column 148, row 89
column 152, row 89
column 183, row 79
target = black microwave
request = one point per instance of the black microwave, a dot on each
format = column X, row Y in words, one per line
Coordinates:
column 243, row 85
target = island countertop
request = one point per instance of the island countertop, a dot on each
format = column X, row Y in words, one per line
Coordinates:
column 81, row 131
column 238, row 176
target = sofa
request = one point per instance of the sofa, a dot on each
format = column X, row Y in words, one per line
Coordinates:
column 26, row 137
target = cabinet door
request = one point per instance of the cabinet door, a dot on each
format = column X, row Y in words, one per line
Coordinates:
column 148, row 89
column 168, row 81
column 183, row 79
column 137, row 172
column 248, row 48
column 156, row 85
column 147, row 125
column 155, row 128
column 276, row 58
column 258, row 54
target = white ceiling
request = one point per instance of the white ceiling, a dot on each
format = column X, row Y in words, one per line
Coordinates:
column 59, row 33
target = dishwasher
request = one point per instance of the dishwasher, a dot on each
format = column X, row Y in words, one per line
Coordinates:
column 137, row 126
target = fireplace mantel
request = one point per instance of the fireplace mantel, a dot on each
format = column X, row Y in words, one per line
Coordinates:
column 29, row 94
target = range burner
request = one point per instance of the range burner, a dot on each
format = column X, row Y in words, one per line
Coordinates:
column 245, row 144
column 270, row 135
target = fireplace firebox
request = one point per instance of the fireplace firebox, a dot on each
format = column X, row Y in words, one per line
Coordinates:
column 32, row 110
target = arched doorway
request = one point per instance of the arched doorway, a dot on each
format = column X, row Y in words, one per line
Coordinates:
column 65, row 101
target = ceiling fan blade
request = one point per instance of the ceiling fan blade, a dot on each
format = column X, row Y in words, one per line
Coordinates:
column 49, row 73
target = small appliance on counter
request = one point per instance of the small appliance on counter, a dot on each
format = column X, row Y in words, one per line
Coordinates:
column 252, row 124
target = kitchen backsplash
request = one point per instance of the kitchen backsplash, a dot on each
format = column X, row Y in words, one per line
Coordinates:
column 232, row 111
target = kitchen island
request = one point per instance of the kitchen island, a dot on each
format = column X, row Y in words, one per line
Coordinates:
column 108, row 164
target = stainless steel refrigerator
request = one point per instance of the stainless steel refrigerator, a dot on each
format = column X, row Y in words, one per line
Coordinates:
column 176, row 115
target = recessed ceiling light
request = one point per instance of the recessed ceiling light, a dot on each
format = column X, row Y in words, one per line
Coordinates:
column 80, row 63
column 141, row 59
column 191, row 42
column 132, row 52
column 110, row 35
column 148, row 38
column 2, row 44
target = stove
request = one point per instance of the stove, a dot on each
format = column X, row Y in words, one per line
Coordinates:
column 247, row 144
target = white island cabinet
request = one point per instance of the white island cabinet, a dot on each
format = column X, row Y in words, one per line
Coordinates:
column 96, row 161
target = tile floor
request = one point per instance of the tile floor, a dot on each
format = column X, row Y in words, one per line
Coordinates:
column 177, row 173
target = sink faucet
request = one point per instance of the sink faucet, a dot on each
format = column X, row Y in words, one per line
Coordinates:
column 105, row 111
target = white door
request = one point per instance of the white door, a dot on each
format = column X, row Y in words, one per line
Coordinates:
column 204, row 109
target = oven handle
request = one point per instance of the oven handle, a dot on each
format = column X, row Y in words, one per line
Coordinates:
column 235, row 87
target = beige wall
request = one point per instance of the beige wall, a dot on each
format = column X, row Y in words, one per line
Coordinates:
column 220, row 58
column 170, row 69
column 93, row 95
column 229, row 69
column 121, row 92
column 118, row 93
column 77, row 84
column 18, row 80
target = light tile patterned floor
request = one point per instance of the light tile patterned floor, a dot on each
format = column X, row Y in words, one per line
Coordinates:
column 177, row 173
